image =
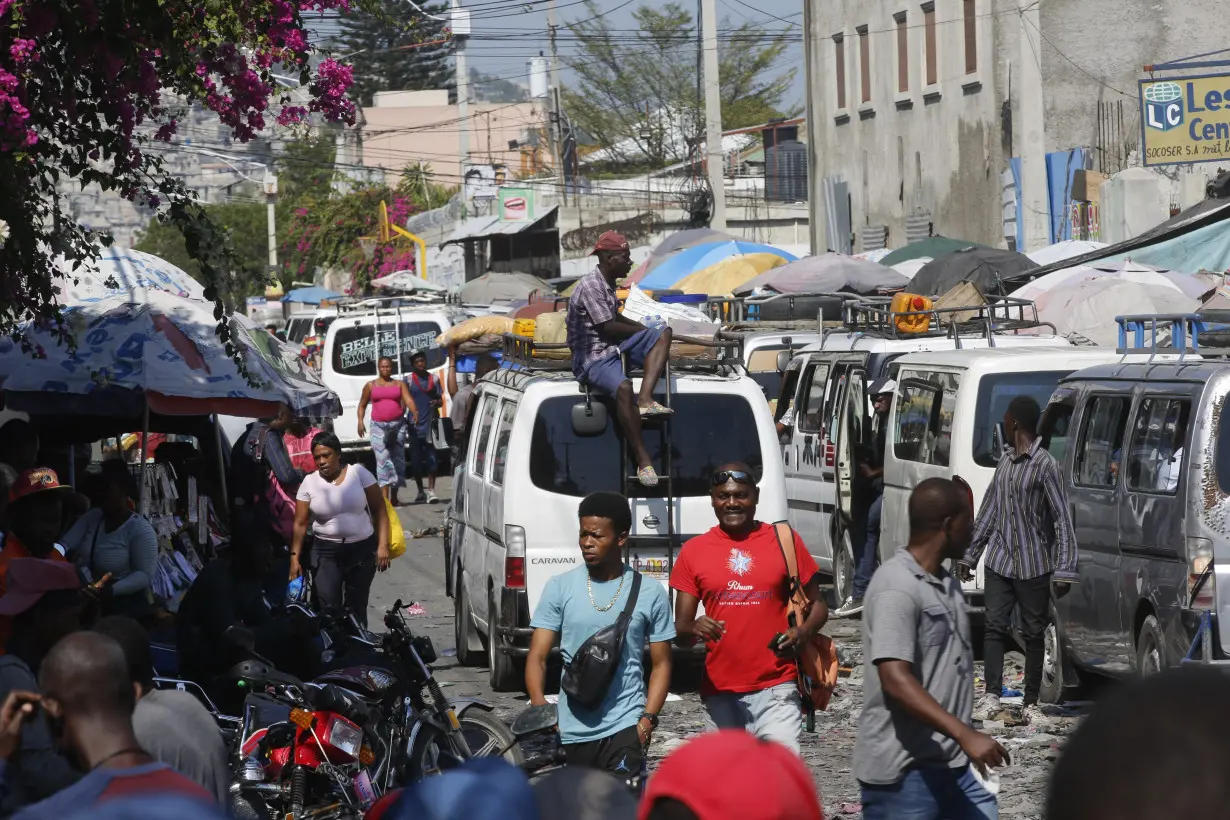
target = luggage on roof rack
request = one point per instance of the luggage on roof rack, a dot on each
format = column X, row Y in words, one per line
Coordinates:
column 813, row 307
column 1001, row 314
column 525, row 353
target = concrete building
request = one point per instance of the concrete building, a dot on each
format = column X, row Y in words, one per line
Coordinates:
column 408, row 127
column 976, row 118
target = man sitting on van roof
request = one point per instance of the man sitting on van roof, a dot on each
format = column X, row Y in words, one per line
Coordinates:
column 599, row 336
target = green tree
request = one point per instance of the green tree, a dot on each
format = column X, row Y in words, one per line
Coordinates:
column 397, row 49
column 643, row 86
column 246, row 225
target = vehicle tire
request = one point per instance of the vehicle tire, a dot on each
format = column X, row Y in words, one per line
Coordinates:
column 1149, row 648
column 469, row 644
column 485, row 734
column 843, row 567
column 504, row 673
column 1051, row 690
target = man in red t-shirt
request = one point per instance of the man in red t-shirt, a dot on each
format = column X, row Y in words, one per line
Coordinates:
column 737, row 570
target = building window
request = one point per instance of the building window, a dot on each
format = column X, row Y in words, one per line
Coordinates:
column 903, row 53
column 864, row 64
column 839, row 68
column 929, row 36
column 971, row 36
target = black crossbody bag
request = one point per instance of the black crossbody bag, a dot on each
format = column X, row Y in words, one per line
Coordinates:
column 588, row 676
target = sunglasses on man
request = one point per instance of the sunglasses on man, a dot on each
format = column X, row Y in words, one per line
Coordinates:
column 738, row 476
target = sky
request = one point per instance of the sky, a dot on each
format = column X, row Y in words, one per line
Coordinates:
column 507, row 33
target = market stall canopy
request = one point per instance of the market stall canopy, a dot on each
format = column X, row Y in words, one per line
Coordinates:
column 123, row 271
column 407, row 281
column 676, row 242
column 873, row 256
column 933, row 247
column 1193, row 286
column 829, row 273
column 722, row 278
column 502, row 287
column 702, row 256
column 984, row 268
column 910, row 267
column 1086, row 310
column 311, row 296
column 163, row 349
column 481, row 227
column 1066, row 249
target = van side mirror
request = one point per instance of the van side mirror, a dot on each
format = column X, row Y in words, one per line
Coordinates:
column 998, row 439
column 589, row 418
column 783, row 360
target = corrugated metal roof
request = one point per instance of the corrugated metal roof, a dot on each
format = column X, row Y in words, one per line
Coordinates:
column 480, row 227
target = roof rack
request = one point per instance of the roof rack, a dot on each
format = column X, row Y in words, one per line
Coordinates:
column 526, row 354
column 738, row 309
column 370, row 304
column 1003, row 314
column 1147, row 329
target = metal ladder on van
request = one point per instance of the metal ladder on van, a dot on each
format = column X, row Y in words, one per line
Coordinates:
column 631, row 483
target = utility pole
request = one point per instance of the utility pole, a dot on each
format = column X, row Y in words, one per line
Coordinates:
column 461, row 34
column 1031, row 113
column 716, row 160
column 555, row 123
column 271, row 201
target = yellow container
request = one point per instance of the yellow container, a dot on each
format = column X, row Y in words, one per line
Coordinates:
column 905, row 320
column 524, row 327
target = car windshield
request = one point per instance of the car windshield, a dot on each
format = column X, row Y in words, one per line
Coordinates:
column 708, row 431
column 995, row 393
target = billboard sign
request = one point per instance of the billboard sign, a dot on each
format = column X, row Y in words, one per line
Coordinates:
column 1185, row 119
column 482, row 181
column 516, row 204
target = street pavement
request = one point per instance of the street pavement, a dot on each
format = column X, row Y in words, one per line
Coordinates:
column 419, row 576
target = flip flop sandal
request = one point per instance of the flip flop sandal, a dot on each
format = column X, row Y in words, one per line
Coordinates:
column 656, row 409
column 647, row 477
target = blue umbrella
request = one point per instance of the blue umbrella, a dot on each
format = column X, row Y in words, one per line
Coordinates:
column 688, row 262
column 311, row 296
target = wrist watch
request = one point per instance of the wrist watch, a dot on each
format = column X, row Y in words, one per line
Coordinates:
column 649, row 716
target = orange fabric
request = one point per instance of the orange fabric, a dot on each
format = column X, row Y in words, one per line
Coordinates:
column 13, row 548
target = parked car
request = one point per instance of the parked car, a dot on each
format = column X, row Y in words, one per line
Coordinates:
column 534, row 451
column 364, row 332
column 1145, row 453
column 943, row 418
column 824, row 388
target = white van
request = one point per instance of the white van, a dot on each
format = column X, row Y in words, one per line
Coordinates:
column 364, row 332
column 303, row 324
column 824, row 389
column 943, row 417
column 531, row 457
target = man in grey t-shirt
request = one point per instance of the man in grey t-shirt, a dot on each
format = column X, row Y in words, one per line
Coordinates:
column 915, row 746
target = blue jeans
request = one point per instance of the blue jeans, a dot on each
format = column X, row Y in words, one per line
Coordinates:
column 930, row 794
column 773, row 714
column 866, row 560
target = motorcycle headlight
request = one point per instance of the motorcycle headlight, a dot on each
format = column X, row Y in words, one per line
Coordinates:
column 345, row 737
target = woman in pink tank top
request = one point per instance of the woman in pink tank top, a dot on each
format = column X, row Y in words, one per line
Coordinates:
column 389, row 400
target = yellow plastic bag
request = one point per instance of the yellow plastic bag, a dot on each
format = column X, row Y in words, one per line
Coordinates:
column 397, row 535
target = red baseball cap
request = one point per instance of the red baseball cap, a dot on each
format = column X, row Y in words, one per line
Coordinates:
column 29, row 579
column 729, row 773
column 611, row 241
column 37, row 480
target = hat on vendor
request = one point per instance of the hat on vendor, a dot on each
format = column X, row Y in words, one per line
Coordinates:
column 611, row 241
column 33, row 482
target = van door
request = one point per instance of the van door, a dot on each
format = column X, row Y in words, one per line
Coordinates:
column 853, row 426
column 1152, row 541
column 1091, row 613
column 478, row 537
column 801, row 460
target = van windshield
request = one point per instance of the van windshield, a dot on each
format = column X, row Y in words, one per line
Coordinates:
column 354, row 347
column 708, row 431
column 995, row 393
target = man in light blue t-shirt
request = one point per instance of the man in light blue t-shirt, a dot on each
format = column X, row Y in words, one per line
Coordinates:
column 578, row 603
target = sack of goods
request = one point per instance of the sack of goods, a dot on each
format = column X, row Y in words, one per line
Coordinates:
column 475, row 328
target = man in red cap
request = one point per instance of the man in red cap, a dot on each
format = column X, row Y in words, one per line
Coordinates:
column 35, row 514
column 731, row 774
column 44, row 602
column 599, row 336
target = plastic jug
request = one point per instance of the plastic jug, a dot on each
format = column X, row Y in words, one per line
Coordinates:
column 904, row 319
column 524, row 327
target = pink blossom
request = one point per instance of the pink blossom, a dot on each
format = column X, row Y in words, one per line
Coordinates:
column 22, row 51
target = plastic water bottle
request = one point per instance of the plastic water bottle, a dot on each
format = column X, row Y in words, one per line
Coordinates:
column 655, row 323
column 295, row 590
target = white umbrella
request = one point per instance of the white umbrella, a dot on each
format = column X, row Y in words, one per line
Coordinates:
column 1089, row 307
column 123, row 271
column 1066, row 249
column 1127, row 271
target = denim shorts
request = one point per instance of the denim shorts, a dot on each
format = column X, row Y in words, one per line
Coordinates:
column 773, row 714
column 607, row 374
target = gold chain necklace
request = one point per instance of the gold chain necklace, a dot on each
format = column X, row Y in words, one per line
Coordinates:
column 589, row 587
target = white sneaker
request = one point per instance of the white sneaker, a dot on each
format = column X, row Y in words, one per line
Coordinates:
column 432, row 498
column 1035, row 717
column 852, row 607
column 987, row 707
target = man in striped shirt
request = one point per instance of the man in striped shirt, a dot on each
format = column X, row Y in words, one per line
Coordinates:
column 1026, row 531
